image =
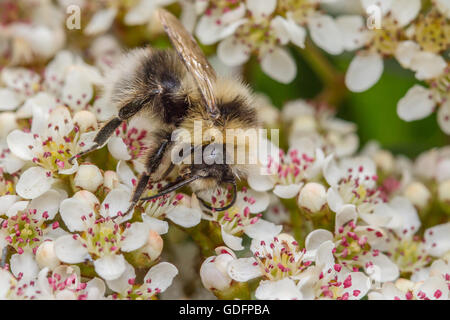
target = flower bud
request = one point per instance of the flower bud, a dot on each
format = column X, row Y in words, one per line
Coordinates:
column 154, row 245
column 384, row 160
column 418, row 194
column 305, row 123
column 46, row 256
column 110, row 180
column 148, row 253
column 213, row 272
column 88, row 177
column 312, row 197
column 85, row 120
column 444, row 191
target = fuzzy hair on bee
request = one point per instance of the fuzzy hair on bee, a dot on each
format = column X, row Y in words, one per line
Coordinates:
column 175, row 89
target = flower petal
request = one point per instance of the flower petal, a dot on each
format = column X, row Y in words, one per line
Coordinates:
column 416, row 104
column 287, row 191
column 243, row 269
column 232, row 52
column 157, row 225
column 73, row 211
column 160, row 276
column 140, row 13
column 69, row 250
column 184, row 216
column 405, row 11
column 48, row 202
column 316, row 238
column 437, row 239
column 77, row 90
column 326, row 34
column 284, row 289
column 443, row 117
column 121, row 284
column 110, row 266
column 21, row 144
column 134, row 237
column 8, row 100
column 279, row 65
column 116, row 203
column 24, row 264
column 33, row 183
column 101, row 21
column 118, row 149
column 233, row 242
column 364, row 71
column 261, row 8
column 262, row 229
column 352, row 32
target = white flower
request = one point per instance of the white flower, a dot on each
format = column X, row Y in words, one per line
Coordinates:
column 287, row 175
column 53, row 140
column 97, row 237
column 27, row 35
column 129, row 140
column 64, row 283
column 354, row 246
column 352, row 182
column 433, row 288
column 20, row 84
column 259, row 33
column 316, row 127
column 26, row 225
column 278, row 260
column 238, row 219
column 367, row 67
column 157, row 280
column 71, row 80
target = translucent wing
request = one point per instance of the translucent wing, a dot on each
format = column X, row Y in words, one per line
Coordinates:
column 193, row 58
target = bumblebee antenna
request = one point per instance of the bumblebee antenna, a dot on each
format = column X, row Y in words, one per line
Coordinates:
column 228, row 206
column 177, row 184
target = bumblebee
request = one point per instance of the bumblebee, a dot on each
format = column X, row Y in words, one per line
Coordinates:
column 173, row 89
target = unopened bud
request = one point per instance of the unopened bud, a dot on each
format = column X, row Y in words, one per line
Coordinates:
column 213, row 272
column 154, row 245
column 306, row 123
column 85, row 120
column 110, row 180
column 312, row 197
column 418, row 194
column 444, row 195
column 384, row 160
column 88, row 177
column 46, row 256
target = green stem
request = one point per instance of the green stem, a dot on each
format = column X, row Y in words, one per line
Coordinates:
column 333, row 81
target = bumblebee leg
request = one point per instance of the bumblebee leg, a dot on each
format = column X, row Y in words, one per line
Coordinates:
column 153, row 162
column 108, row 129
column 102, row 136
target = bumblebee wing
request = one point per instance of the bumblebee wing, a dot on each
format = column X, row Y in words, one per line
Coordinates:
column 193, row 58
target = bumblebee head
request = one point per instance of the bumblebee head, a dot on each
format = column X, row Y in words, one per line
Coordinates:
column 206, row 171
